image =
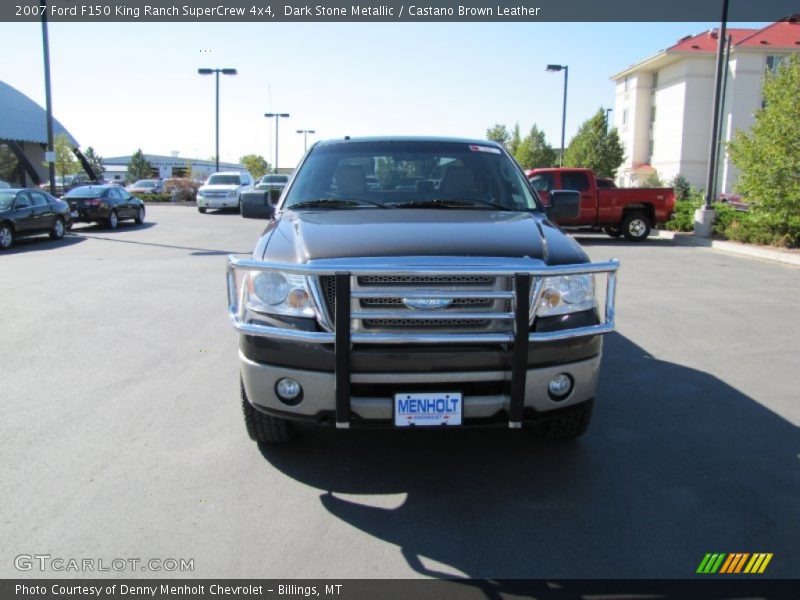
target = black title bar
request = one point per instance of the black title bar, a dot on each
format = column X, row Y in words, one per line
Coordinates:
column 265, row 11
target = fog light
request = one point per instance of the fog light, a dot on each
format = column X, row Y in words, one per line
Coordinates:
column 288, row 390
column 560, row 386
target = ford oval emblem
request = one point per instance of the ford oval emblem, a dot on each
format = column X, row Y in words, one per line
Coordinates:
column 427, row 303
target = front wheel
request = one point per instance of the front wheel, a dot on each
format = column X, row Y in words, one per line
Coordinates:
column 6, row 237
column 635, row 227
column 612, row 231
column 58, row 229
column 265, row 429
column 113, row 220
column 568, row 424
column 139, row 216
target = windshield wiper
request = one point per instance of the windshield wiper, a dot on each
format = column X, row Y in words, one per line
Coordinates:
column 450, row 203
column 334, row 203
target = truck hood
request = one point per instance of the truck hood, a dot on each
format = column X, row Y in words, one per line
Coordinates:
column 303, row 236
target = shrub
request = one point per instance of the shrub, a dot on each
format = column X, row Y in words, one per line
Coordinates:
column 154, row 197
column 681, row 186
column 683, row 217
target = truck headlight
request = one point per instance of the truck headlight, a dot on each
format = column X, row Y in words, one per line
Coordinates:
column 276, row 293
column 566, row 294
column 199, row 193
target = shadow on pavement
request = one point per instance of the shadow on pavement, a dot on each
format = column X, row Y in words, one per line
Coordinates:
column 39, row 243
column 676, row 463
column 600, row 239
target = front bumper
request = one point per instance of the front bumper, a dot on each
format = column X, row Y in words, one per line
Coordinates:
column 336, row 394
column 370, row 402
column 216, row 202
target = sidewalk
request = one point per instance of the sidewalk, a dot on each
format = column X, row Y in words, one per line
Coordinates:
column 788, row 257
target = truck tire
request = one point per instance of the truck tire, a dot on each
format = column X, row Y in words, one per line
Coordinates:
column 635, row 226
column 265, row 429
column 612, row 231
column 201, row 210
column 567, row 425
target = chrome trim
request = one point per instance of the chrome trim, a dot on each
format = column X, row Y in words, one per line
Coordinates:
column 498, row 267
column 414, row 315
column 470, row 294
column 320, row 305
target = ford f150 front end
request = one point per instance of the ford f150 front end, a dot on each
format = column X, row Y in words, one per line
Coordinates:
column 442, row 296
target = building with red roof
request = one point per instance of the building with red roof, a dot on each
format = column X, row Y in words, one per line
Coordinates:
column 663, row 105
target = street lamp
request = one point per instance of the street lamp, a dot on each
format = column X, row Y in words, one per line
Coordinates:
column 277, row 118
column 216, row 72
column 50, row 154
column 305, row 133
column 555, row 69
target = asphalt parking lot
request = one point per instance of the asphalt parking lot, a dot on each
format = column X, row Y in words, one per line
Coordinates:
column 122, row 431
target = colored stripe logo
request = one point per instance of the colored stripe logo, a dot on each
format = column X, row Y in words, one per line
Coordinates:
column 733, row 563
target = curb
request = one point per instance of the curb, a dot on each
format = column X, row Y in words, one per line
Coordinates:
column 688, row 239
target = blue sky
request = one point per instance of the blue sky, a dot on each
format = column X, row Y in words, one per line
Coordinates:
column 122, row 86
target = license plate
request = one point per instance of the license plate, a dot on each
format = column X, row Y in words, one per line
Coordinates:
column 423, row 409
column 74, row 214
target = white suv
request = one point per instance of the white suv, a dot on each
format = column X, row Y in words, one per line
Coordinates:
column 223, row 190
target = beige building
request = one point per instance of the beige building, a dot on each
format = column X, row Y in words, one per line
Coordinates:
column 663, row 105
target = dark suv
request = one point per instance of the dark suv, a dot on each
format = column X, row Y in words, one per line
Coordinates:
column 412, row 282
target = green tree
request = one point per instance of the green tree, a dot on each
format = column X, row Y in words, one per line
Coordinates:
column 596, row 148
column 139, row 168
column 9, row 165
column 255, row 164
column 66, row 163
column 500, row 134
column 768, row 156
column 681, row 186
column 514, row 140
column 534, row 151
column 95, row 161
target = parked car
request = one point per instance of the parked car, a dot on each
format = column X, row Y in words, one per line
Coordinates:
column 629, row 212
column 736, row 201
column 181, row 189
column 272, row 182
column 104, row 204
column 26, row 211
column 454, row 303
column 146, row 186
column 67, row 183
column 4, row 185
column 223, row 190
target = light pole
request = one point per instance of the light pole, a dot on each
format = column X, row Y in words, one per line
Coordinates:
column 704, row 216
column 216, row 73
column 277, row 118
column 305, row 133
column 51, row 165
column 555, row 69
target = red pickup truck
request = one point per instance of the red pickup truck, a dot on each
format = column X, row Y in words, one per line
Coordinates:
column 631, row 212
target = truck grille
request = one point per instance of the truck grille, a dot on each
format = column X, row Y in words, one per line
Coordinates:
column 404, row 318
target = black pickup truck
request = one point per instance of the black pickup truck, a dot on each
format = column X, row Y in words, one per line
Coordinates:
column 418, row 282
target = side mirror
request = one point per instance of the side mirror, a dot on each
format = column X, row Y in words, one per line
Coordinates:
column 256, row 205
column 564, row 205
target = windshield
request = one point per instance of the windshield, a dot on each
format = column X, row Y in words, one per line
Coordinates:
column 410, row 174
column 86, row 192
column 274, row 179
column 6, row 199
column 223, row 180
column 145, row 183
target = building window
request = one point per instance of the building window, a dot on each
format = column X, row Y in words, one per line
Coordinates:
column 627, row 83
column 625, row 116
column 655, row 80
column 773, row 62
column 652, row 115
column 650, row 151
